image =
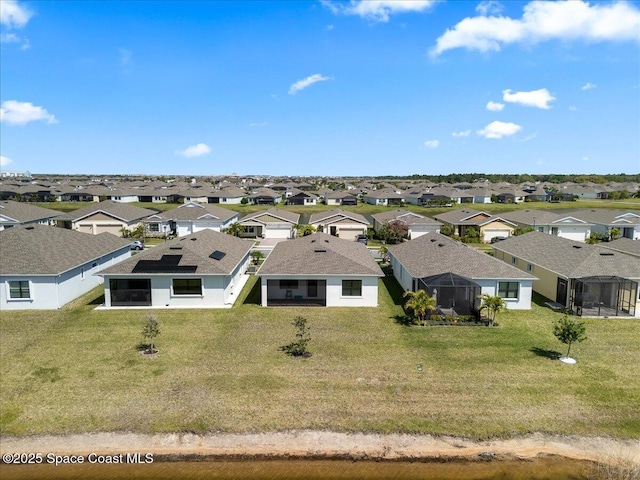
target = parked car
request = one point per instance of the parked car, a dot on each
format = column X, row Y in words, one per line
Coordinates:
column 498, row 239
column 137, row 245
column 362, row 239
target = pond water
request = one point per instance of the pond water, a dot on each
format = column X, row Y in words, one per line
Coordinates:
column 547, row 468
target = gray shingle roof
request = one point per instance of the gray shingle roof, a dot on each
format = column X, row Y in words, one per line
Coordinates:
column 540, row 217
column 411, row 218
column 624, row 245
column 434, row 254
column 25, row 213
column 43, row 250
column 569, row 258
column 195, row 250
column 285, row 215
column 320, row 254
column 122, row 211
column 195, row 211
column 605, row 216
column 339, row 214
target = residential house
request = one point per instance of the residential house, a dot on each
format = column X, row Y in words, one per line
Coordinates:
column 340, row 223
column 298, row 197
column 44, row 268
column 106, row 216
column 488, row 226
column 623, row 245
column 13, row 214
column 588, row 280
column 457, row 274
column 320, row 269
column 229, row 195
column 341, row 198
column 417, row 225
column 188, row 218
column 265, row 196
column 272, row 223
column 202, row 270
column 604, row 220
column 385, row 196
column 545, row 221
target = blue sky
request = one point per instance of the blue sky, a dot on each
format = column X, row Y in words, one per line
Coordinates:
column 384, row 87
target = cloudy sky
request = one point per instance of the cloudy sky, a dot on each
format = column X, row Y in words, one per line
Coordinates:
column 320, row 87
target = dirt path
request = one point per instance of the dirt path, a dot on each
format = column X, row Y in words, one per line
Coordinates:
column 319, row 444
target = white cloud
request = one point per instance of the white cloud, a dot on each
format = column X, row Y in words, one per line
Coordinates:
column 330, row 27
column 542, row 21
column 306, row 82
column 585, row 158
column 378, row 10
column 258, row 124
column 495, row 106
column 535, row 98
column 499, row 129
column 4, row 161
column 530, row 137
column 194, row 151
column 588, row 86
column 13, row 14
column 21, row 113
column 464, row 133
column 573, row 108
column 490, row 7
column 432, row 144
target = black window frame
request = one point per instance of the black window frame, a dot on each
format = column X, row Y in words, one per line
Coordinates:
column 508, row 291
column 21, row 290
column 190, row 287
column 351, row 288
column 288, row 284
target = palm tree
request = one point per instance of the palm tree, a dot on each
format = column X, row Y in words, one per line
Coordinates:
column 234, row 229
column 421, row 303
column 492, row 304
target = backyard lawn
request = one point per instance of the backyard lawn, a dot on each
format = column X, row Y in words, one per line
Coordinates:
column 79, row 370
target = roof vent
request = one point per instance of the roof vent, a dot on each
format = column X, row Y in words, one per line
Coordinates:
column 606, row 254
column 193, row 239
column 434, row 239
column 217, row 255
column 326, row 241
column 577, row 246
column 441, row 244
column 28, row 228
column 176, row 247
column 313, row 241
column 320, row 250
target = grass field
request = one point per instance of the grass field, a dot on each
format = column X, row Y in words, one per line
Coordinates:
column 79, row 370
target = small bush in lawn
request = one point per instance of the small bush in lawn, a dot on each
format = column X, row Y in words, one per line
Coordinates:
column 150, row 330
column 299, row 347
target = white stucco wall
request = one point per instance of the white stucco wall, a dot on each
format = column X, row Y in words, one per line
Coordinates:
column 50, row 292
column 525, row 290
column 579, row 234
column 416, row 231
column 334, row 296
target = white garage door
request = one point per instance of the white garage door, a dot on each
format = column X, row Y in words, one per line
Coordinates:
column 110, row 228
column 85, row 228
column 489, row 234
column 350, row 233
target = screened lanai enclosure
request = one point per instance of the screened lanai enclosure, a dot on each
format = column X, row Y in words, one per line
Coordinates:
column 604, row 296
column 454, row 294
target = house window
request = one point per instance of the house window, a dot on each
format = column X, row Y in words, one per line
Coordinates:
column 508, row 289
column 529, row 267
column 94, row 264
column 19, row 289
column 288, row 284
column 187, row 286
column 154, row 227
column 352, row 288
column 514, row 260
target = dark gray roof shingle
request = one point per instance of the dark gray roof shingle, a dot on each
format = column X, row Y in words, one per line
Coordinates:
column 122, row 211
column 25, row 213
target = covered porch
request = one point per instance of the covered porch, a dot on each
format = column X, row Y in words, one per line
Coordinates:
column 294, row 292
column 604, row 296
column 455, row 294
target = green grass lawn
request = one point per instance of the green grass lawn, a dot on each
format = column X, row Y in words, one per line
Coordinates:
column 79, row 370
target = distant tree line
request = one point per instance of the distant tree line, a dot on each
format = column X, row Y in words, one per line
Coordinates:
column 520, row 178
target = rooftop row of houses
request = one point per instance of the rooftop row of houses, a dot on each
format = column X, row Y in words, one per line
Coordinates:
column 301, row 193
column 191, row 217
column 42, row 267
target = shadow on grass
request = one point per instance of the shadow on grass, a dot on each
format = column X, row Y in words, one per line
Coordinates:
column 393, row 287
column 253, row 297
column 405, row 320
column 541, row 352
column 99, row 300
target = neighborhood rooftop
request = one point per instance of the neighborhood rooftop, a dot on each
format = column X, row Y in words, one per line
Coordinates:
column 43, row 250
column 122, row 211
column 320, row 254
column 195, row 254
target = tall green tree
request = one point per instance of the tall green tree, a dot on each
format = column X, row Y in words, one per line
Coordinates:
column 493, row 304
column 569, row 331
column 420, row 303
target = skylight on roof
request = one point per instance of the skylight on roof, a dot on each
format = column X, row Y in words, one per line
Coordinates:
column 217, row 255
